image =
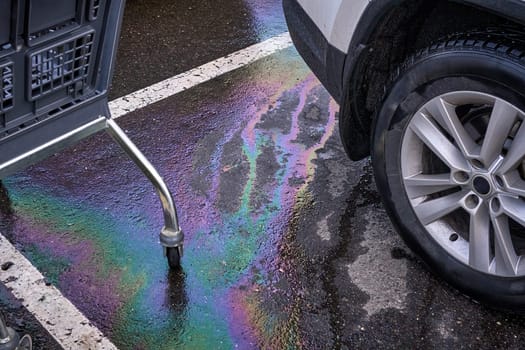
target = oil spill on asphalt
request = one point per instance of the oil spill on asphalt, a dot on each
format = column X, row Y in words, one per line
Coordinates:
column 239, row 169
column 288, row 245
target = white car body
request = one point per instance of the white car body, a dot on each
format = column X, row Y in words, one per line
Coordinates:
column 337, row 19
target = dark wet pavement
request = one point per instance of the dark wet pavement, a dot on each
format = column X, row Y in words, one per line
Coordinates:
column 19, row 319
column 162, row 38
column 288, row 245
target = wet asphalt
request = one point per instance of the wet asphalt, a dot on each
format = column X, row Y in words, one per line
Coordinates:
column 162, row 38
column 288, row 244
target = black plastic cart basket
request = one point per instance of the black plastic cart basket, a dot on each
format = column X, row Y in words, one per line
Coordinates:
column 56, row 63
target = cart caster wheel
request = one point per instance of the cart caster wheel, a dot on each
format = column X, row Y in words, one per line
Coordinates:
column 25, row 343
column 173, row 255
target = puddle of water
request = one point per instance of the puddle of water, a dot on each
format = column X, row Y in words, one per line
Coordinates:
column 100, row 257
column 268, row 17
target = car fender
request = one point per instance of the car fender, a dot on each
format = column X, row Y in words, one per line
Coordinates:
column 336, row 19
column 358, row 40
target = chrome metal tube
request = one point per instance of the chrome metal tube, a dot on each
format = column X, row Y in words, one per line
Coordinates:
column 171, row 235
column 51, row 147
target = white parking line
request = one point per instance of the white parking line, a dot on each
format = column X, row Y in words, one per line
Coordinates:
column 70, row 328
column 196, row 76
column 59, row 316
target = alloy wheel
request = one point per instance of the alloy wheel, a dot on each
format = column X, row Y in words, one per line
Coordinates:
column 463, row 172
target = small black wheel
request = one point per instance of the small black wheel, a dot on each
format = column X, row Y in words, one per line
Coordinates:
column 25, row 343
column 173, row 255
column 449, row 161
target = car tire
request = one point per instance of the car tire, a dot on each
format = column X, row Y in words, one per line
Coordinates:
column 449, row 178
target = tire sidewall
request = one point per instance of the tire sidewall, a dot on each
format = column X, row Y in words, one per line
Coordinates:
column 425, row 78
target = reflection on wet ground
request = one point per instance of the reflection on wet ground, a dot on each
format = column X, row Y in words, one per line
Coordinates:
column 239, row 166
column 161, row 38
column 287, row 242
column 288, row 245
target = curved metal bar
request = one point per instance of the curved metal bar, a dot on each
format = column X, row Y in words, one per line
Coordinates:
column 171, row 235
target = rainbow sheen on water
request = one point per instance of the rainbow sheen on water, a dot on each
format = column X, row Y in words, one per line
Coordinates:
column 253, row 183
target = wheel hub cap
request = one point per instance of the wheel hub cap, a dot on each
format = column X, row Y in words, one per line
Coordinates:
column 481, row 185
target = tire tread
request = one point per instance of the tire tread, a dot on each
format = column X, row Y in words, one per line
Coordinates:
column 508, row 47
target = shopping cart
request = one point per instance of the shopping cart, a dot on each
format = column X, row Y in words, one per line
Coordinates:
column 56, row 64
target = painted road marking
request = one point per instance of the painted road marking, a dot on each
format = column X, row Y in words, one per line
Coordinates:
column 172, row 86
column 70, row 328
column 58, row 315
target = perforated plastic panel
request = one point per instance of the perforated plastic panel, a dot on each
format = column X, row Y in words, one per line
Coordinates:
column 56, row 61
column 60, row 65
column 94, row 7
column 7, row 81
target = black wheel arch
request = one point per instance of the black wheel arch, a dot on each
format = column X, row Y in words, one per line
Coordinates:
column 375, row 51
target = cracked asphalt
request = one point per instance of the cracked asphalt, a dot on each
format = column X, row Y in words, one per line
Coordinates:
column 288, row 244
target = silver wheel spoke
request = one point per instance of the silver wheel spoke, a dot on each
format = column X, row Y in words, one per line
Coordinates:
column 514, row 208
column 516, row 185
column 435, row 112
column 453, row 125
column 430, row 134
column 516, row 152
column 501, row 122
column 506, row 255
column 435, row 209
column 479, row 239
column 506, row 258
column 422, row 184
